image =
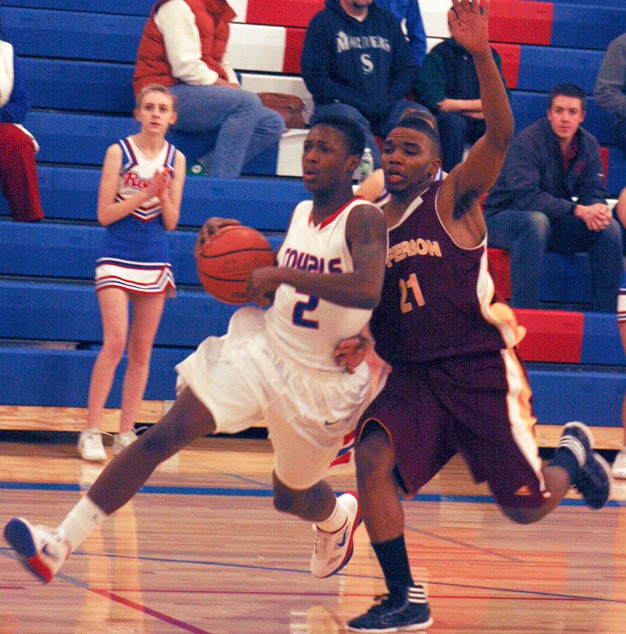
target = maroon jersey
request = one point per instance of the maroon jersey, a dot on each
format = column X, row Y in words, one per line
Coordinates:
column 437, row 299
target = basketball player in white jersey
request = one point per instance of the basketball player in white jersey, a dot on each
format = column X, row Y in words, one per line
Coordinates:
column 275, row 365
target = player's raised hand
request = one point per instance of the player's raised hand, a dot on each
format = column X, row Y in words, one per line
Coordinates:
column 209, row 228
column 469, row 24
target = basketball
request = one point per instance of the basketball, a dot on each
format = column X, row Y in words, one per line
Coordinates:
column 228, row 258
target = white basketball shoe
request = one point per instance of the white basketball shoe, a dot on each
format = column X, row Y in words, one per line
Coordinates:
column 43, row 550
column 332, row 551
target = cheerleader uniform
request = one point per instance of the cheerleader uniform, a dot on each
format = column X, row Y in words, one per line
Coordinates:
column 135, row 254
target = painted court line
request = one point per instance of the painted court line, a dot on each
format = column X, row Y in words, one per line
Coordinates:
column 505, row 594
column 112, row 596
column 514, row 592
column 264, row 493
column 457, row 542
column 508, row 594
column 107, row 594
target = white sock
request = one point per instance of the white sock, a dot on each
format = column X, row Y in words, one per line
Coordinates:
column 81, row 521
column 335, row 521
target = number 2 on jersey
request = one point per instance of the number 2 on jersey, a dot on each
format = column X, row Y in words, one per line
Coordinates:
column 298, row 313
column 406, row 287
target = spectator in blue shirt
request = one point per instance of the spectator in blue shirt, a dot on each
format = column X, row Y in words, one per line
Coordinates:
column 408, row 12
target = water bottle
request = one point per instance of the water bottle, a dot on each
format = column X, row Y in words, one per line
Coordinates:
column 365, row 168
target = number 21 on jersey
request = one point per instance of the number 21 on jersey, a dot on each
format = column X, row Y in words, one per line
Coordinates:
column 410, row 292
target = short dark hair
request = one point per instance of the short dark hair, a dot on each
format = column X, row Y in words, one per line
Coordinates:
column 418, row 122
column 351, row 130
column 568, row 90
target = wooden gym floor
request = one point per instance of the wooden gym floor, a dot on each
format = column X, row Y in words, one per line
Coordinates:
column 202, row 550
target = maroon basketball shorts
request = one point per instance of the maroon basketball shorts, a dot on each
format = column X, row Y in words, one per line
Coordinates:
column 479, row 405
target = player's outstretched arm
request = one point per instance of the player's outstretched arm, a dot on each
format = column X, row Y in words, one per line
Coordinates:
column 366, row 233
column 469, row 24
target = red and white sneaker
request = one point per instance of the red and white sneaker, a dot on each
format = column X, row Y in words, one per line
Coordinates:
column 332, row 551
column 43, row 550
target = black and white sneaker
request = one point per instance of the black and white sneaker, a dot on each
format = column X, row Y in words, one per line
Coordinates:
column 593, row 480
column 389, row 615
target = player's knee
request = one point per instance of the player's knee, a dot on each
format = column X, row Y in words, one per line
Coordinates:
column 374, row 456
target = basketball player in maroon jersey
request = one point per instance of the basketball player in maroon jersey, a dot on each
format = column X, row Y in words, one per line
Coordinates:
column 456, row 382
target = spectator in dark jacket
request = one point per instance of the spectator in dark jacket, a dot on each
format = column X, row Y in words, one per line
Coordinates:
column 356, row 63
column 448, row 85
column 550, row 197
column 610, row 88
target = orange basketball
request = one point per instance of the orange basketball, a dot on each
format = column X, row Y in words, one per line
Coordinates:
column 228, row 258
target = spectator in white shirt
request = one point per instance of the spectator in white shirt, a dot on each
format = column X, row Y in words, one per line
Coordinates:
column 183, row 47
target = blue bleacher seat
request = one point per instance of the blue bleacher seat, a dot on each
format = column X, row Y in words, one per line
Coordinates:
column 96, row 87
column 75, row 139
column 68, row 311
column 540, row 66
column 578, row 393
column 72, row 34
column 601, row 341
column 78, row 139
column 49, row 377
column 60, row 378
column 587, row 26
column 115, row 7
column 70, row 193
column 616, row 179
column 80, row 54
column 69, row 251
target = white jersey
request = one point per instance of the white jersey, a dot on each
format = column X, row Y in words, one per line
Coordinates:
column 304, row 327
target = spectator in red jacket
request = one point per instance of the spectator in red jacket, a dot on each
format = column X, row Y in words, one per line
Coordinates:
column 184, row 47
column 18, row 172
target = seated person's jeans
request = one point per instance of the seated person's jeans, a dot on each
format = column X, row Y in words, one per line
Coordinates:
column 232, row 125
column 529, row 234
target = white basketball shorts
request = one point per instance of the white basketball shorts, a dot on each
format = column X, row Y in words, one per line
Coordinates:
column 243, row 381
